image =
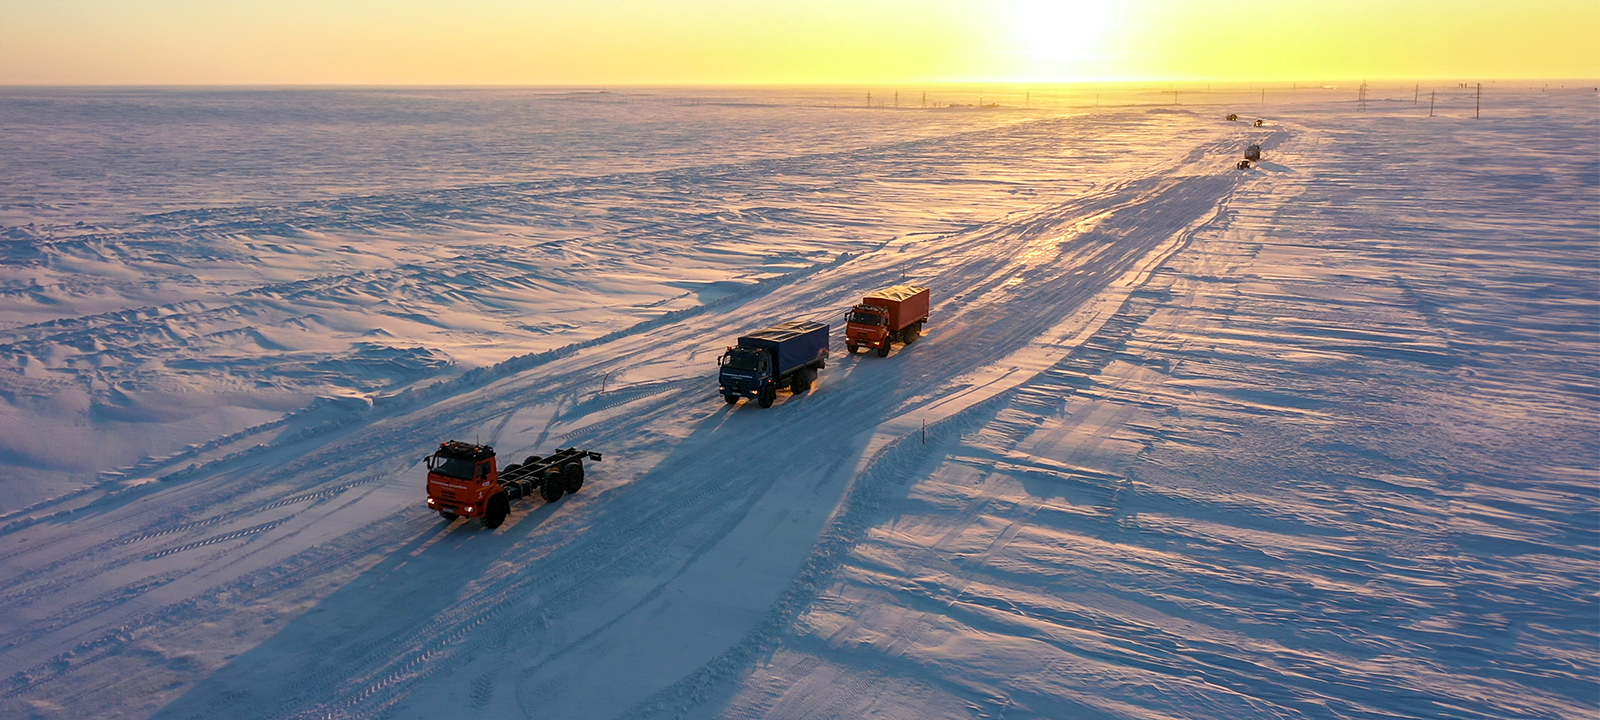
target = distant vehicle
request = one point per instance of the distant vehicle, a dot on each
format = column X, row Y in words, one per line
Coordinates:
column 1258, row 122
column 463, row 480
column 895, row 313
column 1253, row 152
column 1234, row 117
column 787, row 354
column 1243, row 165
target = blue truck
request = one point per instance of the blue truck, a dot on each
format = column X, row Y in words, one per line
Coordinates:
column 789, row 354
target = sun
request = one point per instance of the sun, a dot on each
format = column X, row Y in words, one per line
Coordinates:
column 1059, row 39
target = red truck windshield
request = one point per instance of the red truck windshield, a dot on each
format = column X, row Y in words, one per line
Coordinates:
column 453, row 467
column 863, row 318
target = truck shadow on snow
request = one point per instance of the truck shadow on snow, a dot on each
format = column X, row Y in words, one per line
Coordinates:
column 403, row 609
column 308, row 661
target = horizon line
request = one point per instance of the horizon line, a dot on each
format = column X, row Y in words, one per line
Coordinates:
column 1308, row 84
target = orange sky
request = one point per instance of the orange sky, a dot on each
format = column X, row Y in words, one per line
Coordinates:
column 628, row 42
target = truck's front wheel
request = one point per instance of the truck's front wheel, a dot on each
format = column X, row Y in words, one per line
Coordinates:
column 730, row 399
column 447, row 515
column 852, row 347
column 883, row 350
column 496, row 511
column 768, row 394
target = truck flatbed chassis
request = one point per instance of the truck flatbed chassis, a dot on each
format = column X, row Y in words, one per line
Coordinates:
column 523, row 480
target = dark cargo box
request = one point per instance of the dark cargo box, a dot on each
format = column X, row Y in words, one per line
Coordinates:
column 792, row 343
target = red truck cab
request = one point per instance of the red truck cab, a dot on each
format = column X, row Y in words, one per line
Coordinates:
column 461, row 479
column 895, row 313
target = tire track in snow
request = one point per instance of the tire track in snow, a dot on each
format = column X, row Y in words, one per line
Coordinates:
column 894, row 467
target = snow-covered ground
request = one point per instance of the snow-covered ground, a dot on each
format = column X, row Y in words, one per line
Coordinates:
column 1316, row 439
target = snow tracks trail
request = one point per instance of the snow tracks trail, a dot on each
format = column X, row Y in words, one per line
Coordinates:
column 693, row 545
column 1335, row 460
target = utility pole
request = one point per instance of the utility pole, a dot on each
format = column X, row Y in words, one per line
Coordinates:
column 1415, row 93
column 1362, row 97
column 924, row 100
column 897, row 98
column 869, row 98
column 1027, row 99
column 1477, row 112
column 1431, row 95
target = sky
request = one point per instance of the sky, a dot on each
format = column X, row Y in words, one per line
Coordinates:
column 705, row 42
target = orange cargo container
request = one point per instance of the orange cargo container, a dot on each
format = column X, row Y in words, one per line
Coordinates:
column 895, row 313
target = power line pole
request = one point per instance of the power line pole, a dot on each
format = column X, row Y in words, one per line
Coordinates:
column 1362, row 97
column 924, row 100
column 1477, row 112
column 1431, row 95
column 897, row 98
column 869, row 98
column 1415, row 93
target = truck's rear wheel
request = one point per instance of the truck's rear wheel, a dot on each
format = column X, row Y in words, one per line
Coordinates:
column 801, row 382
column 495, row 512
column 531, row 460
column 507, row 470
column 883, row 350
column 553, row 485
column 573, row 475
column 911, row 333
column 768, row 394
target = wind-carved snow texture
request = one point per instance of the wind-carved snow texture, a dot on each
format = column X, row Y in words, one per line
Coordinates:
column 1311, row 440
column 137, row 337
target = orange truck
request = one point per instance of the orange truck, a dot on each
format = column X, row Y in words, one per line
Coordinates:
column 464, row 482
column 895, row 313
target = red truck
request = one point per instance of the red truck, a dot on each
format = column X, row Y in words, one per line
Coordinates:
column 895, row 313
column 464, row 482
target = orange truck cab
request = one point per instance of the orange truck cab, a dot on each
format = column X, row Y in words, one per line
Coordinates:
column 461, row 479
column 895, row 313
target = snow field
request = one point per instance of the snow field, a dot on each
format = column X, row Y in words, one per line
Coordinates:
column 1307, row 441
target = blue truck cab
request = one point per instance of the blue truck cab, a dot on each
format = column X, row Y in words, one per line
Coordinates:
column 784, row 355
